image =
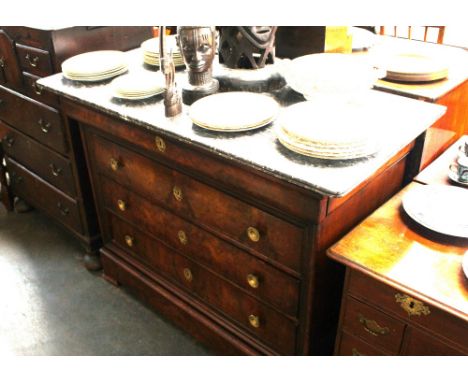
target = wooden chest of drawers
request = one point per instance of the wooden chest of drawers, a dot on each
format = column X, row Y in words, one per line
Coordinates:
column 234, row 256
column 44, row 157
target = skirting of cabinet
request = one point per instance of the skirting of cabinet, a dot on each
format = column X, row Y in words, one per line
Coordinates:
column 204, row 325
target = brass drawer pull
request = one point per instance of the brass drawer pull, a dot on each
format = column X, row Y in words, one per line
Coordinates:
column 372, row 327
column 8, row 140
column 56, row 171
column 253, row 281
column 122, row 205
column 45, row 126
column 354, row 351
column 32, row 61
column 37, row 88
column 160, row 144
column 253, row 234
column 177, row 192
column 411, row 306
column 188, row 274
column 114, row 164
column 254, row 321
column 63, row 210
column 182, row 237
column 130, row 241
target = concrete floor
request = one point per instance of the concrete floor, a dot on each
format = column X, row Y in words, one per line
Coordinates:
column 51, row 305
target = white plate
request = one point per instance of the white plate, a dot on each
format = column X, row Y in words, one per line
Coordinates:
column 234, row 111
column 94, row 63
column 95, row 78
column 143, row 82
column 152, row 45
column 441, row 208
column 136, row 97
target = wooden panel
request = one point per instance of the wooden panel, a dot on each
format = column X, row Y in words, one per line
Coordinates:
column 33, row 60
column 38, row 93
column 423, row 344
column 200, row 203
column 373, row 326
column 36, row 120
column 43, row 196
column 374, row 292
column 47, row 164
column 350, row 345
column 10, row 74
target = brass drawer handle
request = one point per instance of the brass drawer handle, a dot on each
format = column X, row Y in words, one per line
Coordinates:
column 114, row 164
column 412, row 306
column 160, row 144
column 354, row 351
column 37, row 88
column 177, row 192
column 122, row 205
column 32, row 61
column 188, row 274
column 253, row 281
column 253, row 234
column 63, row 210
column 372, row 327
column 8, row 140
column 45, row 126
column 130, row 241
column 182, row 237
column 254, row 321
column 56, row 171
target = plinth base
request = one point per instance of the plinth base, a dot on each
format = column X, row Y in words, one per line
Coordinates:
column 192, row 93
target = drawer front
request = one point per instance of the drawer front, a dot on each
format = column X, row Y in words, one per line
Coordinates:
column 38, row 93
column 200, row 203
column 33, row 60
column 408, row 308
column 43, row 196
column 350, row 345
column 247, row 312
column 373, row 326
column 32, row 118
column 249, row 273
column 50, row 166
column 423, row 344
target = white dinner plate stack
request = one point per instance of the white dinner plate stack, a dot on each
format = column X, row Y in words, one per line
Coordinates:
column 326, row 131
column 234, row 111
column 139, row 85
column 95, row 66
column 151, row 51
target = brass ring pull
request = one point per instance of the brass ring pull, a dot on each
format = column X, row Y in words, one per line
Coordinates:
column 182, row 237
column 37, row 89
column 372, row 327
column 188, row 274
column 56, row 171
column 160, row 144
column 130, row 241
column 8, row 140
column 177, row 192
column 63, row 210
column 253, row 234
column 33, row 62
column 253, row 281
column 45, row 126
column 411, row 306
column 122, row 205
column 254, row 321
column 114, row 164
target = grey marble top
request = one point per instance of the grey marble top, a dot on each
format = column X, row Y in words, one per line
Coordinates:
column 399, row 120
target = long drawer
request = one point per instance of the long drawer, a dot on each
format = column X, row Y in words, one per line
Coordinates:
column 248, row 272
column 408, row 308
column 32, row 118
column 205, row 205
column 260, row 320
column 49, row 165
column 351, row 345
column 40, row 194
column 34, row 60
column 38, row 93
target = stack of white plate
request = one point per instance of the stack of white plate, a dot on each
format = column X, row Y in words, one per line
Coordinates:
column 326, row 131
column 139, row 85
column 234, row 111
column 151, row 51
column 95, row 66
